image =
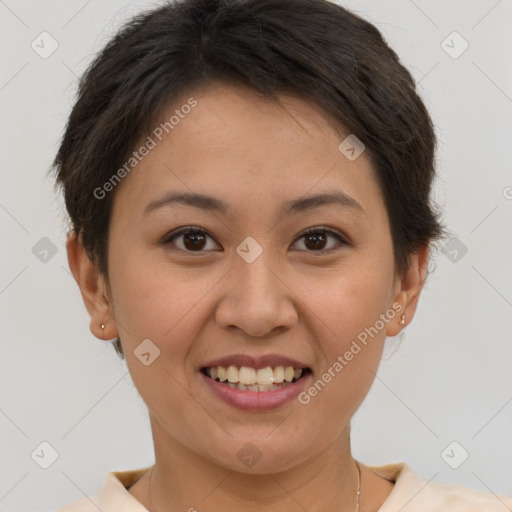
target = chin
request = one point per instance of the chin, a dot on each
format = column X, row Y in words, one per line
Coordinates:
column 260, row 454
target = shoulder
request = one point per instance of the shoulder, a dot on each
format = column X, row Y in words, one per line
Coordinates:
column 81, row 505
column 112, row 496
column 412, row 492
column 465, row 499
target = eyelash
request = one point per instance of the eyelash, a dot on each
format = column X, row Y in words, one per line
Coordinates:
column 198, row 231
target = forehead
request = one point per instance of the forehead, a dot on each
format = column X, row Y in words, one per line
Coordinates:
column 233, row 115
column 236, row 141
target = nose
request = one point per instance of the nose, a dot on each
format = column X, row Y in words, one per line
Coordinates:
column 257, row 300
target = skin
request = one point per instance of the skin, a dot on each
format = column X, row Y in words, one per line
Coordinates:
column 292, row 300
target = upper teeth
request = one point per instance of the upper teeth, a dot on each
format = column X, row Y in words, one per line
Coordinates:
column 249, row 376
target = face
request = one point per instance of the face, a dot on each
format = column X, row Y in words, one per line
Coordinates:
column 263, row 274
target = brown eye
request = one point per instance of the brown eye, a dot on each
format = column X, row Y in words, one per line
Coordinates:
column 193, row 240
column 315, row 239
column 196, row 240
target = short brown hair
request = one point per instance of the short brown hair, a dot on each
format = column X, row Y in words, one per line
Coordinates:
column 314, row 48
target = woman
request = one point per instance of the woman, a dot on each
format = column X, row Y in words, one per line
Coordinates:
column 248, row 183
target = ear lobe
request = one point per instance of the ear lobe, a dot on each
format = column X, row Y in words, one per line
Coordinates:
column 92, row 288
column 408, row 290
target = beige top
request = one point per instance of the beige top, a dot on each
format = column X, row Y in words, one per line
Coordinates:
column 411, row 493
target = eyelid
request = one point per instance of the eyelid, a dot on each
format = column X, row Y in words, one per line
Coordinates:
column 324, row 229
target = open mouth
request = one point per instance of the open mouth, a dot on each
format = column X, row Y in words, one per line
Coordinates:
column 246, row 378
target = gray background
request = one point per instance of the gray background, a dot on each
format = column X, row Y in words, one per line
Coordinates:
column 450, row 379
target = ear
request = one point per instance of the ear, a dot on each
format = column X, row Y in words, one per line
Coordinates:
column 93, row 289
column 408, row 289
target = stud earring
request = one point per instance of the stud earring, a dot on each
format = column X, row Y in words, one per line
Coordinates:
column 402, row 321
column 102, row 327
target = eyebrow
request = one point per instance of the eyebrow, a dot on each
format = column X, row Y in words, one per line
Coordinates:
column 209, row 203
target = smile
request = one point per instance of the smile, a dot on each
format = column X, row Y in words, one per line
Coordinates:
column 250, row 379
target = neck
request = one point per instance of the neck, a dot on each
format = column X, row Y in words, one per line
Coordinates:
column 183, row 480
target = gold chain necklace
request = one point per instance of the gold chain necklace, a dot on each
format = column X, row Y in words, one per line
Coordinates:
column 358, row 486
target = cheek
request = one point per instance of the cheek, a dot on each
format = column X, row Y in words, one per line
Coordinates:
column 348, row 303
column 158, row 301
column 349, row 299
column 162, row 304
column 352, row 338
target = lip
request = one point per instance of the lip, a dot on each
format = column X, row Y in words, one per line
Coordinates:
column 256, row 401
column 257, row 362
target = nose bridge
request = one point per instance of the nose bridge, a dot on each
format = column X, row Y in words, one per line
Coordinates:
column 258, row 301
column 256, row 278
